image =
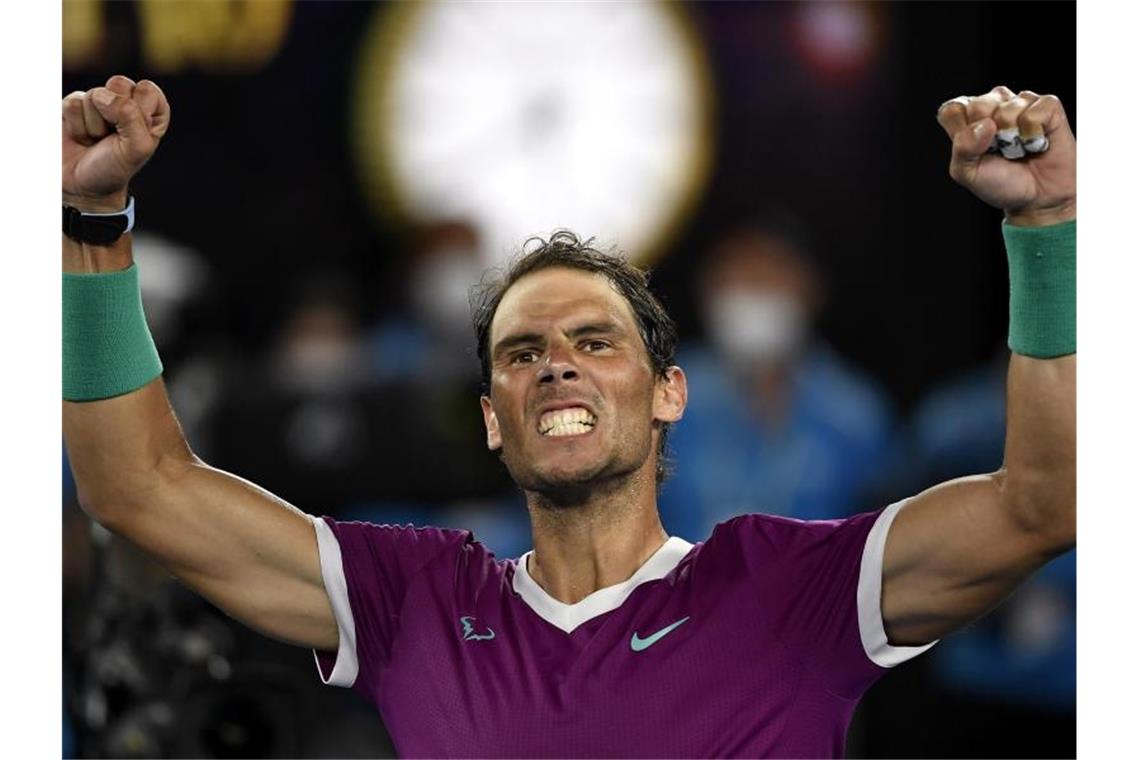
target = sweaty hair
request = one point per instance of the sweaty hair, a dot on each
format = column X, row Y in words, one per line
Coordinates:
column 565, row 249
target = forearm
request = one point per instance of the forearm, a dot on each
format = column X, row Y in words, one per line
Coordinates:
column 118, row 446
column 122, row 448
column 1039, row 469
column 1040, row 465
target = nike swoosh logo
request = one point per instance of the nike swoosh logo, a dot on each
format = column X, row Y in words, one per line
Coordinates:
column 637, row 643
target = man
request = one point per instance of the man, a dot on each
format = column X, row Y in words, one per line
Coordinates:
column 609, row 638
column 777, row 421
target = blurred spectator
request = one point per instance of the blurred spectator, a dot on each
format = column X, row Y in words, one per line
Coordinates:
column 339, row 417
column 776, row 421
column 433, row 342
column 303, row 421
column 1025, row 651
column 320, row 351
column 425, row 360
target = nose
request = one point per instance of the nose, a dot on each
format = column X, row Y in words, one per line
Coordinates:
column 557, row 371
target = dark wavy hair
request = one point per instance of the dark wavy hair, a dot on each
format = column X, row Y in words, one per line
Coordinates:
column 565, row 249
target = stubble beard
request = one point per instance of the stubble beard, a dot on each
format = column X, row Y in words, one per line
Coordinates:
column 575, row 489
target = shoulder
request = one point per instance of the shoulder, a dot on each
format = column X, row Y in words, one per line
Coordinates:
column 779, row 530
column 407, row 547
column 362, row 531
column 766, row 541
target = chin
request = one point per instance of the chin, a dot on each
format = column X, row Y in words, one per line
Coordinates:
column 559, row 477
column 567, row 480
column 577, row 465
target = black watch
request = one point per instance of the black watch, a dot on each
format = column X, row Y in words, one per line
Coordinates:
column 98, row 229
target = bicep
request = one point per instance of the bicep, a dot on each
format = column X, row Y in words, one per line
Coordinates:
column 953, row 553
column 242, row 548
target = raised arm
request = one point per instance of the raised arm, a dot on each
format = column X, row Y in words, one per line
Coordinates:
column 248, row 552
column 959, row 548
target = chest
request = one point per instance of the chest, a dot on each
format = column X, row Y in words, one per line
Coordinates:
column 675, row 670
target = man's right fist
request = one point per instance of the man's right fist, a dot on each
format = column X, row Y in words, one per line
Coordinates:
column 108, row 134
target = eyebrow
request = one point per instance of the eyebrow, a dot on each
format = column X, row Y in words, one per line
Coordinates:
column 521, row 339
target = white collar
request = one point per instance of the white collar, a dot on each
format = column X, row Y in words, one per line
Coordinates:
column 570, row 616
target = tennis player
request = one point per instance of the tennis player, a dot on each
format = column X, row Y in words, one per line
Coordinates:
column 610, row 638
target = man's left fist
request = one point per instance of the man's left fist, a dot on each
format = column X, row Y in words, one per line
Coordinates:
column 1033, row 176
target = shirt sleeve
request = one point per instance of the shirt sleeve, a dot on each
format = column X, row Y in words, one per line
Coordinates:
column 368, row 570
column 823, row 579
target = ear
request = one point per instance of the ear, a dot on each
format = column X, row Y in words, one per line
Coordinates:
column 491, row 422
column 670, row 395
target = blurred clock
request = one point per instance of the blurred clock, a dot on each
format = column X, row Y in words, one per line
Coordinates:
column 526, row 117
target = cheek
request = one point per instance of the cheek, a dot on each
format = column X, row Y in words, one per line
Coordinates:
column 508, row 404
column 634, row 399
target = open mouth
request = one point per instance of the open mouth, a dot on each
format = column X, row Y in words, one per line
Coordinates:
column 562, row 422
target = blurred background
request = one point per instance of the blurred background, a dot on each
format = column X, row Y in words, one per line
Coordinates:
column 338, row 174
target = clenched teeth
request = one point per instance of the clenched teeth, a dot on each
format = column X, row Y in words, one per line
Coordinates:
column 573, row 421
column 570, row 428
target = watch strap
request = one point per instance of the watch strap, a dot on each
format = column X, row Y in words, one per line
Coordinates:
column 101, row 228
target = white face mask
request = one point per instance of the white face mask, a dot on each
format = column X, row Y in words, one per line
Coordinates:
column 440, row 291
column 756, row 326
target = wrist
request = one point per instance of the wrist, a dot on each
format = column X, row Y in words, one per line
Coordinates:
column 107, row 348
column 85, row 258
column 1043, row 217
column 98, row 204
column 97, row 241
column 1042, row 289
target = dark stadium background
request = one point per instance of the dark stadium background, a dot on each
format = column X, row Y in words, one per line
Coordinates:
column 257, row 176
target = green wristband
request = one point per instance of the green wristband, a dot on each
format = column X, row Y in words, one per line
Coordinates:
column 107, row 348
column 1042, row 289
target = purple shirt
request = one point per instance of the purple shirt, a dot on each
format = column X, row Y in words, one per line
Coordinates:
column 757, row 642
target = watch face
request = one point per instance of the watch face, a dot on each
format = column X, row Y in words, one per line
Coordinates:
column 525, row 118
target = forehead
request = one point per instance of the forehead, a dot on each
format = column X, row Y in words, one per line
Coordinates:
column 755, row 259
column 551, row 296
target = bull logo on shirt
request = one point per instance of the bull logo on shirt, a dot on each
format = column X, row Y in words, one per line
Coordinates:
column 469, row 630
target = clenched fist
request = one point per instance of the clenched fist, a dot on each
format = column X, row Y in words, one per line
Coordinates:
column 1037, row 189
column 108, row 134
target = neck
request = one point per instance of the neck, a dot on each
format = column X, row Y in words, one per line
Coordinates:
column 593, row 538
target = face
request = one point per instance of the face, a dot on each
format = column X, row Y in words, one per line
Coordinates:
column 758, row 299
column 756, row 262
column 574, row 398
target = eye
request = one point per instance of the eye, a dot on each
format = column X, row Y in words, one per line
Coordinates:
column 525, row 357
column 595, row 345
